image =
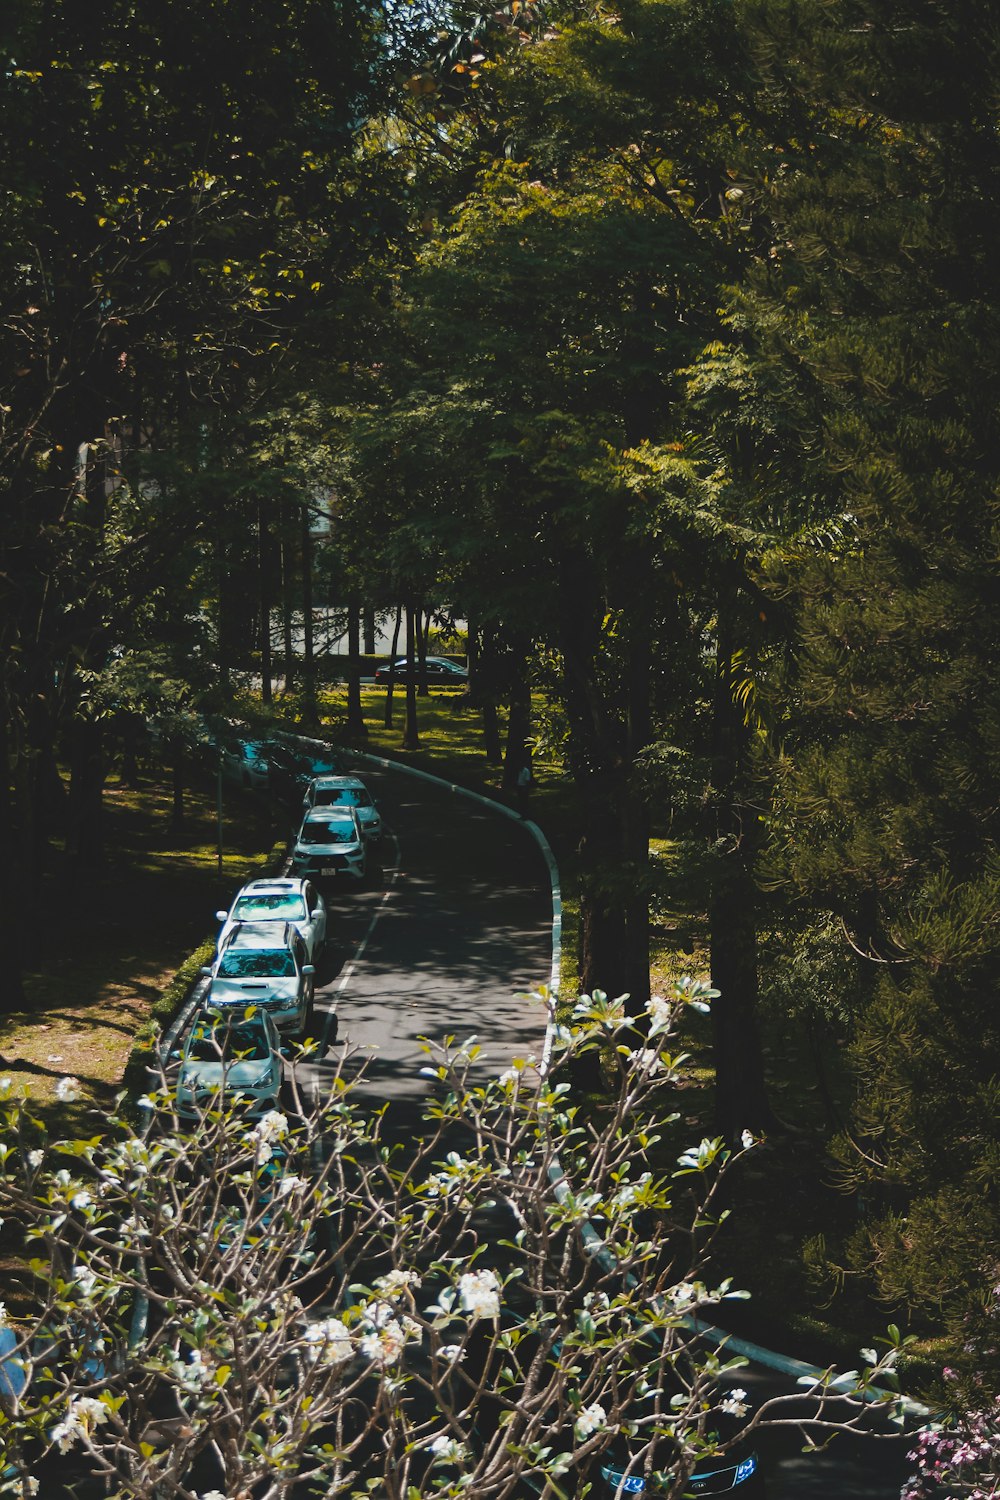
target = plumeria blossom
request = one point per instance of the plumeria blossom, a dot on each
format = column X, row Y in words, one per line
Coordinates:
column 735, row 1403
column 479, row 1293
column 328, row 1342
column 589, row 1420
column 68, row 1090
column 452, row 1354
column 447, row 1449
column 84, row 1414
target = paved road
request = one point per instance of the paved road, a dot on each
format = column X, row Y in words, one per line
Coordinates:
column 454, row 922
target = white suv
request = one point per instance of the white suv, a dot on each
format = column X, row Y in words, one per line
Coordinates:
column 265, row 964
column 283, row 899
column 345, row 791
column 330, row 842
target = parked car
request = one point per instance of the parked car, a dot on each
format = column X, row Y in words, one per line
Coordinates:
column 293, row 761
column 266, row 964
column 345, row 791
column 280, row 900
column 234, row 1051
column 439, row 670
column 245, row 762
column 330, row 842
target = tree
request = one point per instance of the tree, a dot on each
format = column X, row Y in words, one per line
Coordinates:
column 191, row 1327
column 876, row 320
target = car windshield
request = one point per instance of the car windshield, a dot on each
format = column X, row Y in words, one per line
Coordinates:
column 228, row 1043
column 328, row 833
column 287, row 904
column 257, row 963
column 342, row 796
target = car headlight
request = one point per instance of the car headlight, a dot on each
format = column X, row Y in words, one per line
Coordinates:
column 745, row 1468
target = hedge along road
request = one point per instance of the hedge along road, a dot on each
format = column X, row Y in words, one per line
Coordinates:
column 447, row 936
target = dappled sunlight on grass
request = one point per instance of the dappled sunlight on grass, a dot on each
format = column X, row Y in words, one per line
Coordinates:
column 112, row 939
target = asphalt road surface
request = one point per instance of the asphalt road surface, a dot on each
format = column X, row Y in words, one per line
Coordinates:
column 446, row 935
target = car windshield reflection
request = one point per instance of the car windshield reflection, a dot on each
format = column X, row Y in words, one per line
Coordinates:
column 269, row 963
column 292, row 908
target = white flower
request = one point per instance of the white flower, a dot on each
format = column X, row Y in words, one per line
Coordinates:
column 146, row 1102
column 195, row 1373
column 85, row 1279
column 68, row 1090
column 452, row 1354
column 273, row 1125
column 35, row 1159
column 213, row 1495
column 735, row 1403
column 3, row 1314
column 734, row 194
column 83, row 1415
column 660, row 1014
column 748, row 1140
column 646, row 1060
column 6, row 1084
column 590, row 1419
column 397, row 1281
column 479, row 1293
column 329, row 1342
column 446, row 1448
column 82, row 1199
column 290, row 1184
column 384, row 1344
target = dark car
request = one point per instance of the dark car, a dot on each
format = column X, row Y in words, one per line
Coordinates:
column 440, row 672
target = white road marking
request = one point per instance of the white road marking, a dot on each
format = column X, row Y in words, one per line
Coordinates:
column 348, row 972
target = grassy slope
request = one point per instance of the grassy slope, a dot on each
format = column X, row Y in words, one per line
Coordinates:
column 107, row 944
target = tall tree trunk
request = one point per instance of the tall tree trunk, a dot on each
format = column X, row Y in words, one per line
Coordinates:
column 518, row 753
column 12, row 996
column 411, row 732
column 86, row 823
column 355, row 716
column 423, row 633
column 740, row 1093
column 287, row 597
column 177, row 787
column 368, row 627
column 264, row 600
column 309, row 711
column 392, row 667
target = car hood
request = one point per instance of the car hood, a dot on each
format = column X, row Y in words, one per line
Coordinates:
column 248, row 1074
column 326, row 850
column 251, row 991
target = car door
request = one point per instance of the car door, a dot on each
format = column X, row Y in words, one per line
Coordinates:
column 316, row 908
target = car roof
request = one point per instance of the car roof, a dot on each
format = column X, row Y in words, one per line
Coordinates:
column 270, row 887
column 258, row 935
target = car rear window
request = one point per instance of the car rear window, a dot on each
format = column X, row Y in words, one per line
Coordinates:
column 289, row 906
column 328, row 833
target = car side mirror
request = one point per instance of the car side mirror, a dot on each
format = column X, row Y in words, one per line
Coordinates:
column 220, row 916
column 206, row 970
column 308, row 968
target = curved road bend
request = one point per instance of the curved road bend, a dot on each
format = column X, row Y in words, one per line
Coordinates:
column 455, row 918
